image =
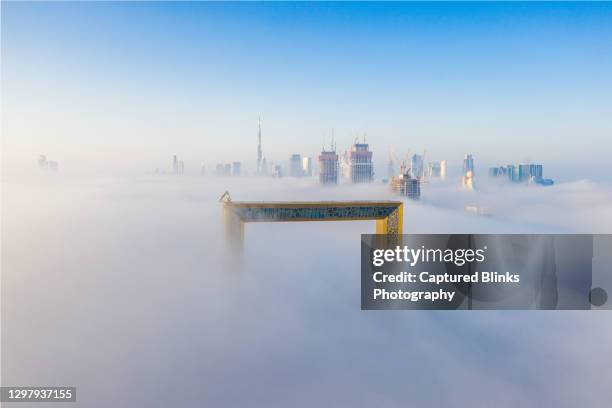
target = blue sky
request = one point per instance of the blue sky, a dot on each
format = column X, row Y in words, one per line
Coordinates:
column 136, row 82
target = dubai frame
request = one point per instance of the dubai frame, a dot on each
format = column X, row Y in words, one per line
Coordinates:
column 388, row 214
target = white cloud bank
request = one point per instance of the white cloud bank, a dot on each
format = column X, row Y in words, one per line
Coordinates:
column 120, row 287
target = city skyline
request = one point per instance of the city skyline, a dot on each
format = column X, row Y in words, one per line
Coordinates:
column 125, row 85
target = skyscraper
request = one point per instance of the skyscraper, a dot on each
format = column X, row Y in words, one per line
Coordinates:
column 497, row 171
column 404, row 184
column 467, row 178
column 178, row 166
column 530, row 173
column 536, row 171
column 434, row 170
column 277, row 171
column 219, row 169
column 360, row 163
column 223, row 169
column 328, row 166
column 512, row 173
column 523, row 172
column 416, row 166
column 468, row 164
column 307, row 166
column 236, row 169
column 295, row 166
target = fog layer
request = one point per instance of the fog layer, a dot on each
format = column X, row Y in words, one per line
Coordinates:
column 121, row 287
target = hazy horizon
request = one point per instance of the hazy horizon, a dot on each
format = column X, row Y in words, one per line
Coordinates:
column 121, row 87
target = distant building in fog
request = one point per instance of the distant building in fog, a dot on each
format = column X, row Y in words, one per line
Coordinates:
column 406, row 185
column 434, row 170
column 277, row 171
column 417, row 167
column 223, row 170
column 468, row 164
column 361, row 168
column 344, row 166
column 178, row 166
column 522, row 173
column 307, row 166
column 467, row 176
column 328, row 166
column 467, row 180
column 437, row 170
column 295, row 166
column 236, row 169
column 45, row 164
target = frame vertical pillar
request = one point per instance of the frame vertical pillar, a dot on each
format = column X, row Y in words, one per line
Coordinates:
column 393, row 224
column 234, row 229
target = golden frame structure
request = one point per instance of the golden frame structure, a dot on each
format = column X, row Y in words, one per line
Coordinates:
column 389, row 215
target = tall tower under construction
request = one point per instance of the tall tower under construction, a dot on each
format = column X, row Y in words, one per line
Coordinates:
column 328, row 166
column 405, row 184
column 361, row 169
